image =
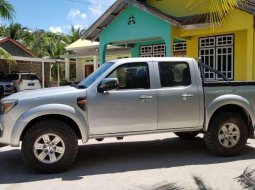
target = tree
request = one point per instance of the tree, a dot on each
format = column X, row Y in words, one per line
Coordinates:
column 17, row 32
column 75, row 34
column 6, row 12
column 217, row 9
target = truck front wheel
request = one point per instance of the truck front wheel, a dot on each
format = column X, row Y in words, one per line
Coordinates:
column 227, row 134
column 50, row 146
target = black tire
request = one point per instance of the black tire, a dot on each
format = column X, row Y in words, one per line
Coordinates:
column 186, row 135
column 211, row 136
column 56, row 127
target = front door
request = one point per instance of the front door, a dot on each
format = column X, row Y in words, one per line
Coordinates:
column 132, row 107
column 178, row 96
column 88, row 70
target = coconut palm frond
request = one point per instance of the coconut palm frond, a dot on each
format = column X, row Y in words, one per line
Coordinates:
column 6, row 10
column 216, row 9
column 247, row 179
column 6, row 56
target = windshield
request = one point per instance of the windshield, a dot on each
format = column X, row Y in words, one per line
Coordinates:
column 29, row 77
column 91, row 78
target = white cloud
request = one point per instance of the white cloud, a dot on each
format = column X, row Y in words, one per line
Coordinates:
column 96, row 10
column 98, row 7
column 76, row 26
column 56, row 29
column 76, row 13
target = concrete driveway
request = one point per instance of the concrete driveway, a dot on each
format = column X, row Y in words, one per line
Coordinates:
column 137, row 162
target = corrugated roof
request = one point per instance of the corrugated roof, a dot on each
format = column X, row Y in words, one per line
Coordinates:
column 81, row 44
column 16, row 43
column 93, row 32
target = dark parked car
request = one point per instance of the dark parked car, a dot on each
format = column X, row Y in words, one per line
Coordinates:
column 6, row 83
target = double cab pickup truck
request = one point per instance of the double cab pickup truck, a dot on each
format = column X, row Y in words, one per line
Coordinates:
column 129, row 97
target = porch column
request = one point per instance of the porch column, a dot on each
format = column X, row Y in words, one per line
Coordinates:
column 58, row 74
column 43, row 78
column 67, row 69
column 168, row 42
column 102, row 52
column 95, row 62
column 250, row 40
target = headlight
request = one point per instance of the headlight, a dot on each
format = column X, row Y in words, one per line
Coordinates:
column 7, row 105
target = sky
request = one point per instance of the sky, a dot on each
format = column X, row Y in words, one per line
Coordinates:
column 58, row 15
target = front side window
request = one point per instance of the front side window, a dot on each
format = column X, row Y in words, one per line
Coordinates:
column 132, row 76
column 29, row 77
column 173, row 74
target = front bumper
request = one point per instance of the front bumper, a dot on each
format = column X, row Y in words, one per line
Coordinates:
column 6, row 127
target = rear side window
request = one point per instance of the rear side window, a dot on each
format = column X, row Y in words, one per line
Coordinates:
column 13, row 77
column 132, row 76
column 29, row 77
column 174, row 74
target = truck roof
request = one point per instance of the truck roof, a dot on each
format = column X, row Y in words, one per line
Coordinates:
column 156, row 59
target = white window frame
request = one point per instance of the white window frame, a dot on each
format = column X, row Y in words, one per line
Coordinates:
column 224, row 42
column 179, row 46
column 157, row 50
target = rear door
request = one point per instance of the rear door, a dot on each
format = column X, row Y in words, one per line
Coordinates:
column 178, row 95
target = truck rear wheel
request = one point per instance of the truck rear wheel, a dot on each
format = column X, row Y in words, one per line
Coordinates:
column 186, row 135
column 50, row 146
column 227, row 134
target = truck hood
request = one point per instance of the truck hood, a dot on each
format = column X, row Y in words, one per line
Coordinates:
column 53, row 91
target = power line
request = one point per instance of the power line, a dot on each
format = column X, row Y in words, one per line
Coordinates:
column 88, row 3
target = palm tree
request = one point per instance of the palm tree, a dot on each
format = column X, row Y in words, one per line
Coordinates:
column 75, row 34
column 217, row 9
column 6, row 12
column 17, row 32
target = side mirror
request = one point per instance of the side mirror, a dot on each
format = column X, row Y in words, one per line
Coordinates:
column 108, row 84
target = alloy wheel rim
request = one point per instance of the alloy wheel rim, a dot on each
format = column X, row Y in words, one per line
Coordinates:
column 49, row 148
column 229, row 135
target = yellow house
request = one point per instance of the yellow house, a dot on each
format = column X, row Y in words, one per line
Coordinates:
column 170, row 28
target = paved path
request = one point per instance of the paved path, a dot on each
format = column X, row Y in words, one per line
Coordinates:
column 127, row 164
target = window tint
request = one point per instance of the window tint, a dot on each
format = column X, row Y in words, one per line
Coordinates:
column 132, row 76
column 29, row 77
column 174, row 74
column 13, row 77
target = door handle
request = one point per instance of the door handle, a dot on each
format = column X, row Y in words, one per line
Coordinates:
column 145, row 97
column 186, row 96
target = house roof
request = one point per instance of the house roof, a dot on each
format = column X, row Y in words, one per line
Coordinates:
column 81, row 44
column 93, row 32
column 10, row 50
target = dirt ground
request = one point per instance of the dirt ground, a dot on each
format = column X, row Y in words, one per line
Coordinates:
column 136, row 163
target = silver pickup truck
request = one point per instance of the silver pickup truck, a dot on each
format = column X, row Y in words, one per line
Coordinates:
column 128, row 97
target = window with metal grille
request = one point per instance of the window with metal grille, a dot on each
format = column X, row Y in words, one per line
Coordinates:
column 218, row 53
column 156, row 50
column 180, row 46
